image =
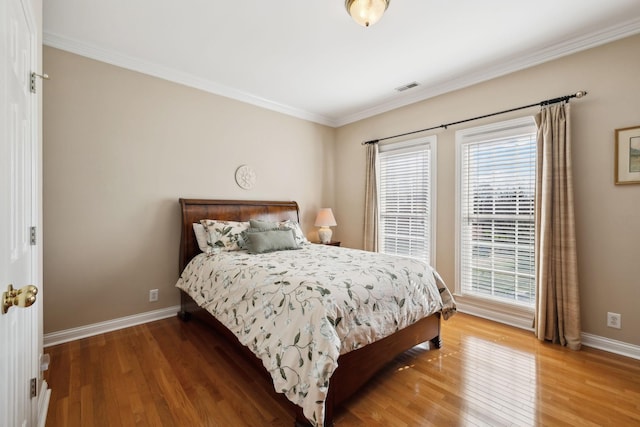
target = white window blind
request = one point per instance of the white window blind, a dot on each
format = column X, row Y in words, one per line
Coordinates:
column 406, row 194
column 496, row 172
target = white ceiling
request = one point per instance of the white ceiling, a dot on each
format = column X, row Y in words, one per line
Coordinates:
column 308, row 59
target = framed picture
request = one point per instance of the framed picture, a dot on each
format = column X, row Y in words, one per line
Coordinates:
column 627, row 168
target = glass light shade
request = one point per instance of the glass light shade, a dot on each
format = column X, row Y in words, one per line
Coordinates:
column 366, row 12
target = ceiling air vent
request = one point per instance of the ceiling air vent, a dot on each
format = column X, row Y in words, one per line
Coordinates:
column 407, row 86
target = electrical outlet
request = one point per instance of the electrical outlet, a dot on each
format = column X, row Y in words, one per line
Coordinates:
column 153, row 295
column 614, row 320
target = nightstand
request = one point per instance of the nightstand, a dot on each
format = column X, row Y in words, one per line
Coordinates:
column 332, row 243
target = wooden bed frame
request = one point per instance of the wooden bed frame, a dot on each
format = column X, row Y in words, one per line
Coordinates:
column 356, row 367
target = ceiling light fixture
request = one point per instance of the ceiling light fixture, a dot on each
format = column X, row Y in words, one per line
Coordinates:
column 366, row 12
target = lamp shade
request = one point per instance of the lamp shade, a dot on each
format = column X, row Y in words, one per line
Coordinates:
column 366, row 12
column 325, row 218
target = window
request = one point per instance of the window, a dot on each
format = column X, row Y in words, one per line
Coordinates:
column 496, row 167
column 406, row 176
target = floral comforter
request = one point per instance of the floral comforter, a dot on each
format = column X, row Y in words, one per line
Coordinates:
column 298, row 310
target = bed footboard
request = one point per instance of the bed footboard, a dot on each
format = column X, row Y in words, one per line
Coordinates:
column 355, row 368
column 187, row 306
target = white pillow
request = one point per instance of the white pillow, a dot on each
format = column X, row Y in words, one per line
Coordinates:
column 201, row 236
column 297, row 231
column 225, row 235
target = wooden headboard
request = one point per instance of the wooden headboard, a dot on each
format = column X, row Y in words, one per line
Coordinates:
column 193, row 210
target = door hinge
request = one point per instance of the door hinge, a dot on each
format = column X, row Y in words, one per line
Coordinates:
column 33, row 80
column 32, row 236
column 34, row 387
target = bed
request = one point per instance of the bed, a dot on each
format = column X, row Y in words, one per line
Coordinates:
column 353, row 367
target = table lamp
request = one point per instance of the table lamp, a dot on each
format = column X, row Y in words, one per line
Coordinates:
column 324, row 220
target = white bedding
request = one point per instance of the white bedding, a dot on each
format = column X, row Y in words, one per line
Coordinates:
column 298, row 310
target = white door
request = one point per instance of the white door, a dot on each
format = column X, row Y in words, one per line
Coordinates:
column 20, row 328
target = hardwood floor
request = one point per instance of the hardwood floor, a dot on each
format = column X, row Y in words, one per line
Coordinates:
column 170, row 373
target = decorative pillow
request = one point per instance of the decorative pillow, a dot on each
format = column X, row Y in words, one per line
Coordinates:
column 226, row 235
column 263, row 225
column 269, row 225
column 259, row 242
column 201, row 236
column 297, row 231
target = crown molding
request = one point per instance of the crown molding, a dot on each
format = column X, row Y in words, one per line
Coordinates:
column 510, row 65
column 504, row 67
column 175, row 76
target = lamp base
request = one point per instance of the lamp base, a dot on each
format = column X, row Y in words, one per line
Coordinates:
column 324, row 233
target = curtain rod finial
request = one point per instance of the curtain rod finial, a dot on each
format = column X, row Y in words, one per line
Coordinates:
column 373, row 141
column 581, row 93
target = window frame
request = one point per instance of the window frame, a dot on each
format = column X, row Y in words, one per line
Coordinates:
column 406, row 146
column 510, row 313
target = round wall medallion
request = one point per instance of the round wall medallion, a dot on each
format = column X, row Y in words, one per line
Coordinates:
column 245, row 177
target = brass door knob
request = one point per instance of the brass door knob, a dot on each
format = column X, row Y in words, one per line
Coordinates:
column 23, row 297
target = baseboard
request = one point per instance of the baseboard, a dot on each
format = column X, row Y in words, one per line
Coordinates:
column 73, row 334
column 588, row 340
column 612, row 346
column 512, row 316
column 520, row 320
column 43, row 403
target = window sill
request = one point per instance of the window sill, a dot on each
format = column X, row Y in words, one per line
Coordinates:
column 509, row 314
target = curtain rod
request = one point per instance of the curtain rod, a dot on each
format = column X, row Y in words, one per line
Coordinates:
column 565, row 98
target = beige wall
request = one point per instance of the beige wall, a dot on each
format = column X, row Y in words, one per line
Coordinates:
column 607, row 216
column 120, row 148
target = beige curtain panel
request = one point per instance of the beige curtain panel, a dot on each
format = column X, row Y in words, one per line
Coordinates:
column 557, row 316
column 371, row 200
